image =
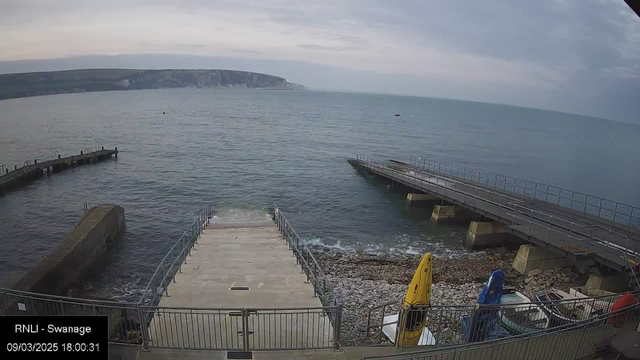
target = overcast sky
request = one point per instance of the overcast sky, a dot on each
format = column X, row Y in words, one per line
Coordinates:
column 580, row 56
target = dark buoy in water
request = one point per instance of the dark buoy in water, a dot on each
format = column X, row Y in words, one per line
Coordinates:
column 163, row 113
column 397, row 114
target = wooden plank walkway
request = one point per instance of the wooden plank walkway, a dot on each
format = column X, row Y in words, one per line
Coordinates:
column 575, row 234
column 29, row 171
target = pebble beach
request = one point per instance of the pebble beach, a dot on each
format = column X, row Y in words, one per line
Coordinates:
column 363, row 281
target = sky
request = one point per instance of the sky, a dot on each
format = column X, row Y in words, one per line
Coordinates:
column 578, row 56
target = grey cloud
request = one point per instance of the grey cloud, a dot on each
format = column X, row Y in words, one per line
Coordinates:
column 583, row 32
column 191, row 46
column 594, row 44
column 348, row 42
column 247, row 51
column 328, row 48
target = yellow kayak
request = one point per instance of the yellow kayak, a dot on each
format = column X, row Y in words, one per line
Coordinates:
column 419, row 293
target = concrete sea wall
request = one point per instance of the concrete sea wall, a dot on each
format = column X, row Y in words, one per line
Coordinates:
column 77, row 252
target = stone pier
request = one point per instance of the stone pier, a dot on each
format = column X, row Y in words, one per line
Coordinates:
column 422, row 198
column 483, row 235
column 531, row 257
column 615, row 282
column 452, row 214
column 79, row 251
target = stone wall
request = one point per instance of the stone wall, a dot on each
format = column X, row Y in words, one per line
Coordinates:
column 77, row 252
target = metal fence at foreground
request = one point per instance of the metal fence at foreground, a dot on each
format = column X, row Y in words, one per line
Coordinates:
column 243, row 329
column 125, row 319
column 608, row 209
column 464, row 324
column 240, row 329
column 568, row 342
column 612, row 246
column 148, row 325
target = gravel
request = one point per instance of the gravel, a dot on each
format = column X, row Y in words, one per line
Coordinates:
column 364, row 281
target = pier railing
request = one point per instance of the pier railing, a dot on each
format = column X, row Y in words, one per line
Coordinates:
column 568, row 342
column 594, row 205
column 173, row 260
column 315, row 275
column 610, row 246
column 462, row 324
column 573, row 237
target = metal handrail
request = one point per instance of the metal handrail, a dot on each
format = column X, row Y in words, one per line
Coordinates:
column 434, row 180
column 315, row 275
column 171, row 263
column 573, row 225
column 142, row 325
column 29, row 164
column 529, row 187
column 622, row 314
column 386, row 165
column 624, row 251
column 398, row 304
column 631, row 247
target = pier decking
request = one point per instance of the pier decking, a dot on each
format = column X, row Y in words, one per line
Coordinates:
column 29, row 171
column 579, row 235
column 241, row 280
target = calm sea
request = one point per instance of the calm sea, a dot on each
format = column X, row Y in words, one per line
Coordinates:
column 244, row 150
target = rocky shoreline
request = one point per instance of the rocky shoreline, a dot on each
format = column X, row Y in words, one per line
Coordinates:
column 364, row 281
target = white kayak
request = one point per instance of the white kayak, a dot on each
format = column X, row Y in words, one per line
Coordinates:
column 391, row 330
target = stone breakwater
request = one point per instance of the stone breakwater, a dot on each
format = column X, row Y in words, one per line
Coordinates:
column 364, row 281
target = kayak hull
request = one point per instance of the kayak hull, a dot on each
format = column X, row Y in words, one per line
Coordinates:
column 522, row 316
column 418, row 296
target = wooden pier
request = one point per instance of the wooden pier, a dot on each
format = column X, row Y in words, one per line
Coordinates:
column 31, row 171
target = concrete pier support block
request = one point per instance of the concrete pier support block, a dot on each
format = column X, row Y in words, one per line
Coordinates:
column 413, row 197
column 482, row 235
column 531, row 257
column 454, row 214
column 443, row 213
column 614, row 283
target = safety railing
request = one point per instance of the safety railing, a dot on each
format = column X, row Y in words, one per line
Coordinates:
column 125, row 321
column 575, row 237
column 173, row 260
column 607, row 209
column 315, row 275
column 570, row 341
column 30, row 164
column 499, row 205
column 242, row 329
column 462, row 324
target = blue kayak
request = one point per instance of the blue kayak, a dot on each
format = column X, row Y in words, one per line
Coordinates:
column 483, row 323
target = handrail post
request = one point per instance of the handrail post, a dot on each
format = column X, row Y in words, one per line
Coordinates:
column 245, row 330
column 143, row 329
column 186, row 237
column 337, row 323
column 166, row 286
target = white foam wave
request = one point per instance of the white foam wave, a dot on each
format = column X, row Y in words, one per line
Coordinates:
column 319, row 243
column 234, row 215
column 403, row 245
